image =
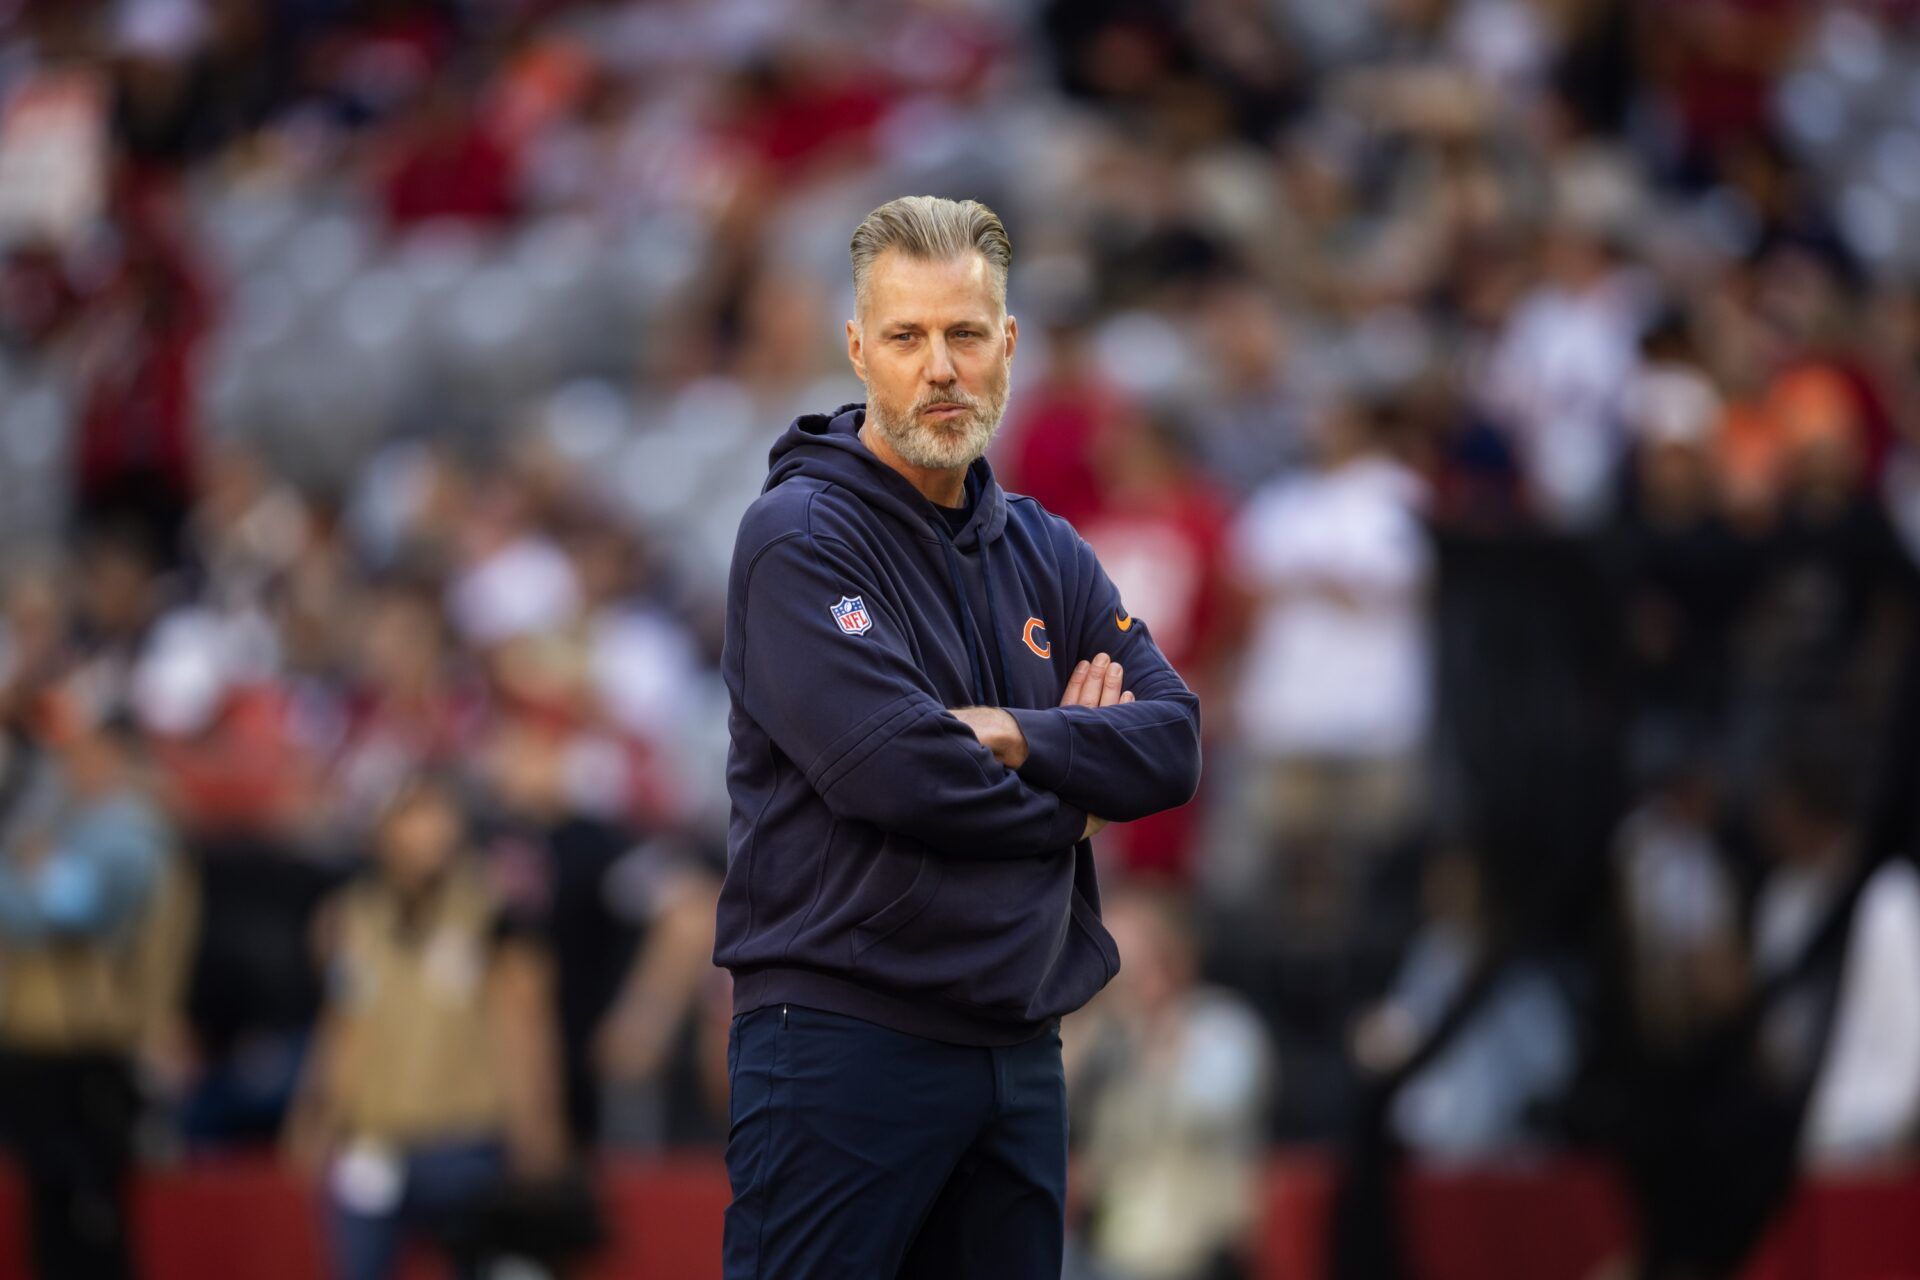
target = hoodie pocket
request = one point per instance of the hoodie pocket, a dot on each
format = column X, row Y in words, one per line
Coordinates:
column 902, row 910
column 1086, row 962
column 1088, row 922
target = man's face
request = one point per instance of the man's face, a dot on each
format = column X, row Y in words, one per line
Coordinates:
column 932, row 343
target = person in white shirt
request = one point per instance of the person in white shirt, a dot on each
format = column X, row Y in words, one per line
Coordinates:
column 1334, row 702
column 1559, row 372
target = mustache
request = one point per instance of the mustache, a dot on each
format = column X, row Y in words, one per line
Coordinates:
column 928, row 400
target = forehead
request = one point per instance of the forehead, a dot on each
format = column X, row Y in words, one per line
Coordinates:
column 902, row 289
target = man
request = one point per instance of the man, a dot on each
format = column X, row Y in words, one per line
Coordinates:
column 96, row 926
column 935, row 689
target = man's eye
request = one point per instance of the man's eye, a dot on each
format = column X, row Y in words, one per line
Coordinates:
column 903, row 337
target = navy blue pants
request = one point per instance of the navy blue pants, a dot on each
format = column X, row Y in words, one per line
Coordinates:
column 860, row 1153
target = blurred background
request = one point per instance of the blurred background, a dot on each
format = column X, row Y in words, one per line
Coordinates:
column 1504, row 411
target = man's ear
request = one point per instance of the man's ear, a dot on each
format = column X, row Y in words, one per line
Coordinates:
column 1013, row 336
column 855, row 354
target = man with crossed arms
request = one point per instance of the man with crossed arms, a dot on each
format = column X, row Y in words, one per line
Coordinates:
column 935, row 690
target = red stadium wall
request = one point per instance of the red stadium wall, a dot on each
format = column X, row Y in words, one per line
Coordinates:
column 246, row 1220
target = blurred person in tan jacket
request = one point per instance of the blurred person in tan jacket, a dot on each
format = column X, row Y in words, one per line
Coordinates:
column 434, row 1081
column 1172, row 1081
column 96, row 926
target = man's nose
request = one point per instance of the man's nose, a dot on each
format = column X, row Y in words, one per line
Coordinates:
column 939, row 361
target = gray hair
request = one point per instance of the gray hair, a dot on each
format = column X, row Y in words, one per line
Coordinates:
column 931, row 228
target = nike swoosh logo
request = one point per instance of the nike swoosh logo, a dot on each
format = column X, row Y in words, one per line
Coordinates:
column 1122, row 621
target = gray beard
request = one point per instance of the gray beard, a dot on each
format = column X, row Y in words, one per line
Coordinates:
column 936, row 448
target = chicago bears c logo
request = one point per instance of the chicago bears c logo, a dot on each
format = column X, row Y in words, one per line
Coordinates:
column 1042, row 646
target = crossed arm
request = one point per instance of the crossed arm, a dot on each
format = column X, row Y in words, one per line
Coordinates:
column 862, row 721
column 1094, row 684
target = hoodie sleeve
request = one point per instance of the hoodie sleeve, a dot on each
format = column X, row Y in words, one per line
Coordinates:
column 1120, row 762
column 863, row 723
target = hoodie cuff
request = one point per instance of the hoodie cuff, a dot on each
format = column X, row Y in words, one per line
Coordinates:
column 1069, row 825
column 1049, row 747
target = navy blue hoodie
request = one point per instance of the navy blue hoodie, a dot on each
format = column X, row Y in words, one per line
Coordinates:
column 881, row 863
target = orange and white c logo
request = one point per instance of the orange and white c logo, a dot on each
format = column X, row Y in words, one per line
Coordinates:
column 1122, row 619
column 1042, row 647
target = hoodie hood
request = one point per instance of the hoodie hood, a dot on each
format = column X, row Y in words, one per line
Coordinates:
column 827, row 446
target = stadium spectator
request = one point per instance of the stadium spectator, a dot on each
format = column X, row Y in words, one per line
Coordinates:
column 95, row 927
column 1716, row 1131
column 1487, row 1090
column 650, row 1049
column 1333, row 702
column 1161, row 528
column 446, row 165
column 1171, row 1080
column 1824, row 625
column 36, row 610
column 435, row 1075
column 1685, row 573
column 1253, row 422
column 120, row 592
column 1554, row 381
column 1054, row 434
column 1682, row 913
column 641, row 668
column 629, row 925
column 137, row 441
column 413, row 700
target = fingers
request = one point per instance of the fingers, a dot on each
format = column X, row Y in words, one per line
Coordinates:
column 1096, row 684
column 1126, row 697
column 1075, row 683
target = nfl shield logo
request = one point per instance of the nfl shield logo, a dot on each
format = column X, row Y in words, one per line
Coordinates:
column 851, row 614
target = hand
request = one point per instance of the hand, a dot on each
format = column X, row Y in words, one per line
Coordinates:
column 998, row 732
column 538, row 1155
column 1096, row 684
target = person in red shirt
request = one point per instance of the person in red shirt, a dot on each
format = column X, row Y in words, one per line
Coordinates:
column 1160, row 526
column 447, row 165
column 136, row 454
column 1054, row 432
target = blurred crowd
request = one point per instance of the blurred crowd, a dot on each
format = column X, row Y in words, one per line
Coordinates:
column 1504, row 410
